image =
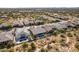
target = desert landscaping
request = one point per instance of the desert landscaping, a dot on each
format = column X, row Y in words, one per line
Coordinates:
column 39, row 30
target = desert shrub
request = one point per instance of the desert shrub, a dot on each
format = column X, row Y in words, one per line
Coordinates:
column 33, row 46
column 1, row 21
column 55, row 32
column 77, row 46
column 3, row 50
column 30, row 50
column 9, row 44
column 6, row 45
column 62, row 36
column 24, row 44
column 9, row 26
column 11, row 50
column 62, row 40
column 62, row 31
column 43, row 50
column 57, row 50
column 69, row 35
column 63, row 43
column 54, row 41
column 2, row 46
column 74, row 34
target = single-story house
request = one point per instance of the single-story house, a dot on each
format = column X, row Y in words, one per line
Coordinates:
column 60, row 25
column 18, row 24
column 70, row 24
column 4, row 16
column 76, row 23
column 6, row 38
column 38, row 22
column 63, row 17
column 26, row 22
column 32, row 22
column 49, row 29
column 22, row 34
column 38, row 32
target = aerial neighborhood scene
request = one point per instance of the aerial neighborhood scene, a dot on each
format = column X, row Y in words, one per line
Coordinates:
column 39, row 29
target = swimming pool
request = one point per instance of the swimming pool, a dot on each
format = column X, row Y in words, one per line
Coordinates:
column 22, row 38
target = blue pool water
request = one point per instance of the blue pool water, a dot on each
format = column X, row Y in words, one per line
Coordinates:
column 22, row 38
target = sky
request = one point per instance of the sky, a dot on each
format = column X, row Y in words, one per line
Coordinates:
column 38, row 3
